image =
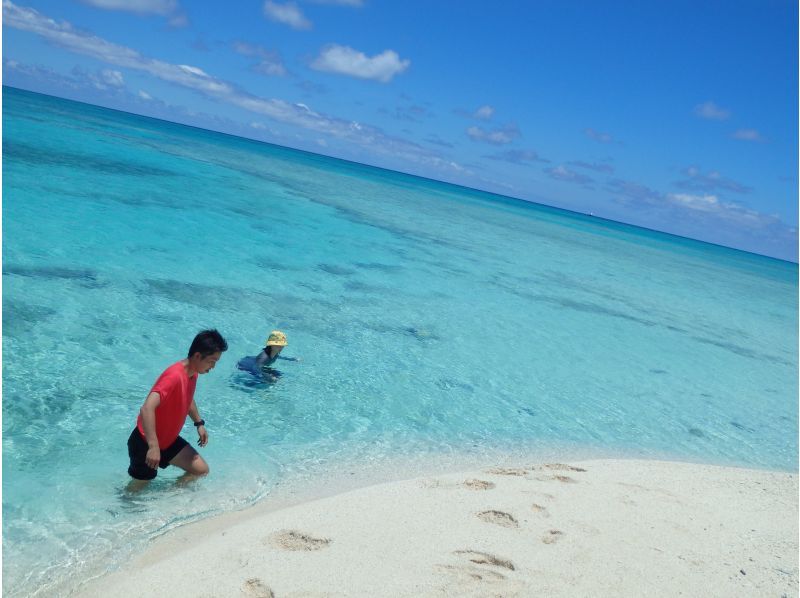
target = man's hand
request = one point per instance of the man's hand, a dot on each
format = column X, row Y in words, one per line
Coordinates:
column 153, row 457
column 201, row 432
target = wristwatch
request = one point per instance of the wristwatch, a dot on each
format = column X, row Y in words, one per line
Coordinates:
column 202, row 422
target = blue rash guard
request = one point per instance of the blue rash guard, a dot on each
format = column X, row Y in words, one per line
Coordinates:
column 258, row 365
column 255, row 363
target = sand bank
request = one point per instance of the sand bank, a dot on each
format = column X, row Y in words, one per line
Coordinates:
column 589, row 528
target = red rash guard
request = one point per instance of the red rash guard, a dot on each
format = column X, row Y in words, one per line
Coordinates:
column 176, row 391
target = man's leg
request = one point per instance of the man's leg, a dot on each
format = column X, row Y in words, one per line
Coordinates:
column 138, row 469
column 190, row 461
column 135, row 486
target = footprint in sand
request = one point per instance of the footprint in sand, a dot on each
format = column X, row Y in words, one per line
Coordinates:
column 484, row 558
column 294, row 540
column 507, row 471
column 563, row 467
column 473, row 573
column 479, row 575
column 552, row 536
column 564, row 479
column 498, row 518
column 256, row 588
column 540, row 509
column 474, row 484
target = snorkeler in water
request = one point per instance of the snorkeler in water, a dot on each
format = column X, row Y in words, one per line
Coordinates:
column 259, row 365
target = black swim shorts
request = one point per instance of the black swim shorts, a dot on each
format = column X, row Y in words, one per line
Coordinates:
column 137, row 451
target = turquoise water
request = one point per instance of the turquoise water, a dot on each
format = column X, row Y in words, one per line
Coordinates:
column 429, row 319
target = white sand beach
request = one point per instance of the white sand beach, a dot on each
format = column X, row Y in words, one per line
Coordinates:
column 588, row 528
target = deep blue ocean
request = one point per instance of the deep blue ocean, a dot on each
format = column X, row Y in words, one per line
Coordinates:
column 430, row 321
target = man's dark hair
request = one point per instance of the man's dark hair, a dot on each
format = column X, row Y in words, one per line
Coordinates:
column 207, row 343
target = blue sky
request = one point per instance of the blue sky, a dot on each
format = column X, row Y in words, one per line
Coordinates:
column 676, row 116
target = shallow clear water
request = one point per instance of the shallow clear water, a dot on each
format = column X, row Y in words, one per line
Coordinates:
column 429, row 319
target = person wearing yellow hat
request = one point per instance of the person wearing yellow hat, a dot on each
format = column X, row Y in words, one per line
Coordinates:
column 272, row 348
column 259, row 365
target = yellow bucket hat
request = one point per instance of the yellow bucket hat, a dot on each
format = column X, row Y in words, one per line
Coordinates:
column 277, row 339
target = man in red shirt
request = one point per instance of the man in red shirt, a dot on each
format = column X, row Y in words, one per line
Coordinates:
column 156, row 441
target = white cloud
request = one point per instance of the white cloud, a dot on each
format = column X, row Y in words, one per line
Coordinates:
column 484, row 113
column 106, row 80
column 711, row 181
column 708, row 208
column 561, row 173
column 269, row 62
column 353, row 3
column 596, row 166
column 631, row 191
column 193, row 70
column 45, row 74
column 112, row 78
column 272, row 68
column 142, row 7
column 436, row 140
column 362, row 135
column 288, row 14
column 144, row 95
column 179, row 20
column 706, row 203
column 711, row 111
column 748, row 135
column 728, row 211
column 708, row 217
column 164, row 8
column 515, row 156
column 347, row 61
column 66, row 36
column 500, row 136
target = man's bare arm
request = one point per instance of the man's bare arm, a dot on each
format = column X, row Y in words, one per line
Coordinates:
column 201, row 430
column 148, row 413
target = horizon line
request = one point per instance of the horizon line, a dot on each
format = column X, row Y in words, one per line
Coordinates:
column 522, row 200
